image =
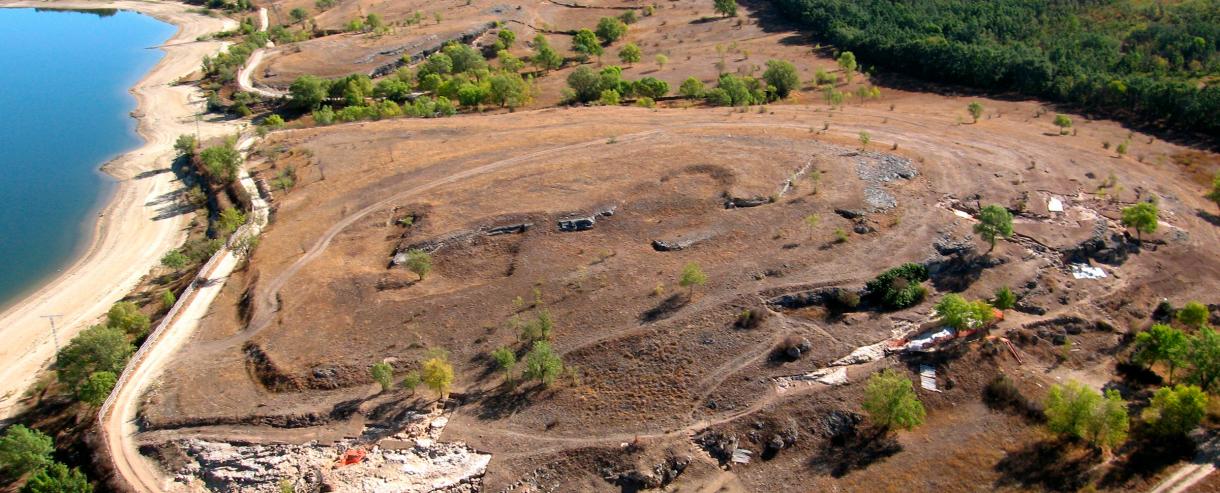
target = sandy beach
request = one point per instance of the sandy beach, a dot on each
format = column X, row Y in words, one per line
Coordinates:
column 128, row 239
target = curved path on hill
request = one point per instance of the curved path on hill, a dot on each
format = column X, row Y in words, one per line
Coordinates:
column 143, row 219
column 244, row 74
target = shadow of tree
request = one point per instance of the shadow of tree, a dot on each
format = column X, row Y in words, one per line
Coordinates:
column 1207, row 216
column 958, row 272
column 665, row 309
column 1148, row 456
column 1048, row 466
column 504, row 400
column 858, row 450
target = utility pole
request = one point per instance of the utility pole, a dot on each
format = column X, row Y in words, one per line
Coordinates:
column 54, row 334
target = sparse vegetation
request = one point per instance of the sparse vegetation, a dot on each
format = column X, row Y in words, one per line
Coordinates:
column 1004, row 298
column 976, row 110
column 419, row 262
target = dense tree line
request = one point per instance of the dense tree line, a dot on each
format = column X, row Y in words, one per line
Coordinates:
column 1150, row 61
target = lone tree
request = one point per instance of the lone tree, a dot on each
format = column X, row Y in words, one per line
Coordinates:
column 661, row 60
column 1143, row 217
column 692, row 275
column 419, row 262
column 1194, row 314
column 1004, row 298
column 994, row 222
column 865, row 138
column 812, row 221
column 629, row 54
column 976, row 110
column 847, row 62
column 383, row 374
column 1214, row 195
column 543, row 364
column 1161, row 344
column 506, row 360
column 781, row 75
column 727, row 8
column 438, row 373
column 1076, row 411
column 24, row 450
column 1175, row 411
column 1064, row 123
column 890, row 401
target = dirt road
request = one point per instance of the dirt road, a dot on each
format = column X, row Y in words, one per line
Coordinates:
column 243, row 75
column 138, row 225
column 117, row 416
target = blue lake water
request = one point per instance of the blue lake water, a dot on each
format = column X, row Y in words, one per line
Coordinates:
column 64, row 111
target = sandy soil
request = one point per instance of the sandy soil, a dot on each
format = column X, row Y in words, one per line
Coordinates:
column 138, row 226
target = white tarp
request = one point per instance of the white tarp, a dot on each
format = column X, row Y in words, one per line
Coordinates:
column 929, row 338
column 1054, row 205
column 1086, row 271
column 927, row 377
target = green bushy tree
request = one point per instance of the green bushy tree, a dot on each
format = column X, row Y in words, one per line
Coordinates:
column 1174, row 411
column 994, row 222
column 890, row 400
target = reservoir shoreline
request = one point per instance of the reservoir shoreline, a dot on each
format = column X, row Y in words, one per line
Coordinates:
column 126, row 239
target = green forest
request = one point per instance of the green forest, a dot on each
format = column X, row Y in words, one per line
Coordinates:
column 1138, row 60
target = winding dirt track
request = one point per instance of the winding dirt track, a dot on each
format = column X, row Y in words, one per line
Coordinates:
column 138, row 225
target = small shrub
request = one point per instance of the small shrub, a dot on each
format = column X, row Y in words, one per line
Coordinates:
column 1004, row 299
column 899, row 287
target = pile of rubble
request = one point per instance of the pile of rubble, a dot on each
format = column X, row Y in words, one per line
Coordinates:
column 411, row 460
column 877, row 169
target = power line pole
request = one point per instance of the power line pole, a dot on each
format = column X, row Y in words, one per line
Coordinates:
column 54, row 334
